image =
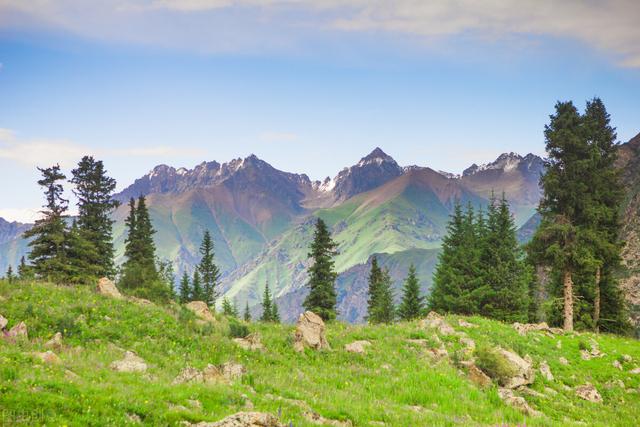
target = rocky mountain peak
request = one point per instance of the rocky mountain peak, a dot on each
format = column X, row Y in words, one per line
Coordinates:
column 371, row 171
column 507, row 162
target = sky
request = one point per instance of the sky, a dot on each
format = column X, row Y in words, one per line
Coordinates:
column 308, row 86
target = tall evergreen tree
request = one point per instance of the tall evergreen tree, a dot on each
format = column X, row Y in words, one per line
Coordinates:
column 197, row 292
column 185, row 288
column 322, row 294
column 47, row 254
column 412, row 305
column 209, row 270
column 375, row 278
column 80, row 256
column 228, row 309
column 275, row 313
column 561, row 239
column 267, row 305
column 24, row 270
column 9, row 276
column 247, row 313
column 384, row 310
column 94, row 190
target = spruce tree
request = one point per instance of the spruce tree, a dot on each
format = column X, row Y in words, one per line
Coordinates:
column 412, row 305
column 94, row 190
column 80, row 256
column 24, row 271
column 209, row 270
column 185, row 291
column 375, row 277
column 9, row 276
column 384, row 310
column 228, row 309
column 267, row 310
column 322, row 294
column 275, row 314
column 197, row 292
column 47, row 254
column 247, row 313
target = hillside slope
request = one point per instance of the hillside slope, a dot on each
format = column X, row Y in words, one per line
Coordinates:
column 395, row 383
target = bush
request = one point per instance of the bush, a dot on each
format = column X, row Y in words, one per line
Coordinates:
column 238, row 330
column 583, row 345
column 492, row 363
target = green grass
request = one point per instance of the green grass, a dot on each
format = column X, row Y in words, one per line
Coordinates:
column 395, row 382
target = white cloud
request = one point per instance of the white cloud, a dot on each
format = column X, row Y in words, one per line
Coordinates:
column 610, row 26
column 45, row 152
column 19, row 214
column 278, row 136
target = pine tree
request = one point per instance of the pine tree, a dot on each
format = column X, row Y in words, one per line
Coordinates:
column 275, row 314
column 209, row 270
column 24, row 270
column 375, row 277
column 412, row 305
column 322, row 294
column 384, row 310
column 80, row 257
column 94, row 190
column 267, row 310
column 9, row 276
column 185, row 288
column 247, row 313
column 197, row 292
column 228, row 309
column 47, row 254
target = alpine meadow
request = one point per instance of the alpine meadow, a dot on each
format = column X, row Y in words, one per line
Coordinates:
column 475, row 263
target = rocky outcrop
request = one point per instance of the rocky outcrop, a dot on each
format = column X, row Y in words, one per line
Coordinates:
column 310, row 333
column 48, row 357
column 130, row 363
column 55, row 342
column 357, row 347
column 251, row 342
column 244, row 419
column 3, row 322
column 522, row 368
column 107, row 288
column 477, row 376
column 524, row 328
column 18, row 332
column 201, row 310
column 211, row 374
column 509, row 398
column 588, row 392
column 546, row 371
column 437, row 322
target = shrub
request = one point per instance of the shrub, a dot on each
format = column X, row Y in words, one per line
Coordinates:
column 583, row 345
column 492, row 363
column 238, row 330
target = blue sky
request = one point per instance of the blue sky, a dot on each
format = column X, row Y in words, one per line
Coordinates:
column 307, row 86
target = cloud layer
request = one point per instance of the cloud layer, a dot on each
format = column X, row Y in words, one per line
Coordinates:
column 609, row 26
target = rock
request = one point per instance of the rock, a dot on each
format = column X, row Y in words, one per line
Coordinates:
column 546, row 371
column 55, row 342
column 18, row 331
column 418, row 341
column 140, row 301
column 522, row 368
column 357, row 347
column 251, row 342
column 201, row 310
column 211, row 374
column 310, row 332
column 134, row 418
column 626, row 358
column 563, row 361
column 48, row 357
column 635, row 371
column 590, row 354
column 3, row 322
column 617, row 364
column 437, row 353
column 244, row 419
column 588, row 392
column 437, row 322
column 316, row 418
column 559, row 345
column 468, row 343
column 108, row 288
column 517, row 402
column 524, row 328
column 463, row 323
column 550, row 391
column 188, row 375
column 478, row 377
column 194, row 403
column 232, row 371
column 130, row 363
column 70, row 375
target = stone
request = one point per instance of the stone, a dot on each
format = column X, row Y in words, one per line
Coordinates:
column 194, row 403
column 310, row 332
column 617, row 364
column 509, row 398
column 3, row 322
column 48, row 357
column 55, row 342
column 357, row 347
column 188, row 375
column 201, row 310
column 418, row 341
column 464, row 324
column 316, row 418
column 522, row 367
column 134, row 418
column 546, row 371
column 626, row 358
column 550, row 391
column 468, row 343
column 563, row 361
column 70, row 375
column 588, row 392
column 130, row 363
column 559, row 345
column 524, row 328
column 635, row 371
column 211, row 374
column 232, row 371
column 140, row 301
column 251, row 342
column 244, row 419
column 478, row 377
column 18, row 331
column 437, row 322
column 108, row 288
column 437, row 353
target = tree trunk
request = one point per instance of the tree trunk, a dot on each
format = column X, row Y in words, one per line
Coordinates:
column 568, row 301
column 596, row 302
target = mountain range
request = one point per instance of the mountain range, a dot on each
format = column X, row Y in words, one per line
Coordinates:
column 262, row 219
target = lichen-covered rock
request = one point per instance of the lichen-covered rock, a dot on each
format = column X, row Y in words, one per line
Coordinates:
column 437, row 322
column 310, row 332
column 251, row 342
column 588, row 392
column 48, row 357
column 108, row 288
column 201, row 310
column 357, row 347
column 188, row 375
column 509, row 398
column 464, row 324
column 477, row 376
column 18, row 331
column 55, row 342
column 244, row 419
column 211, row 374
column 3, row 322
column 130, row 363
column 545, row 370
column 522, row 368
column 563, row 361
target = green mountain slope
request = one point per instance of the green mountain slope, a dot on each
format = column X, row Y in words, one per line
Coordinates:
column 395, row 383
